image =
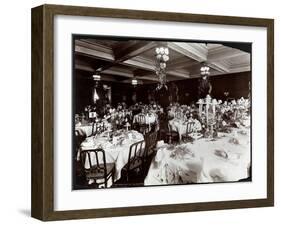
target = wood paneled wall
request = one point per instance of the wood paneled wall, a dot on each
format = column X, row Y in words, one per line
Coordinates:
column 236, row 84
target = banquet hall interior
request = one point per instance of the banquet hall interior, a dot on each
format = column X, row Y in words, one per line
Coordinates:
column 157, row 112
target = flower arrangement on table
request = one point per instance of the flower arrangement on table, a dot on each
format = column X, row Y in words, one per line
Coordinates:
column 119, row 118
column 233, row 114
column 222, row 116
column 181, row 112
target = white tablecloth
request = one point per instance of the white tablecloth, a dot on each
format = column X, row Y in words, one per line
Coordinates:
column 203, row 161
column 117, row 154
column 180, row 126
column 85, row 130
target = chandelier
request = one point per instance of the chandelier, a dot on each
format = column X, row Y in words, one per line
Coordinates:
column 205, row 70
column 162, row 56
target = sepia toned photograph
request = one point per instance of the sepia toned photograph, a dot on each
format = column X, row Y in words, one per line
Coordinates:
column 153, row 112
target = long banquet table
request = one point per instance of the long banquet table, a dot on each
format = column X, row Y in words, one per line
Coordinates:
column 117, row 153
column 226, row 158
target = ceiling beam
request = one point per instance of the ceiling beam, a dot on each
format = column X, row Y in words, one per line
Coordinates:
column 219, row 66
column 181, row 62
column 179, row 74
column 126, row 52
column 95, row 51
column 195, row 51
column 241, row 68
column 150, row 77
column 84, row 68
column 108, row 78
column 140, row 62
column 224, row 53
column 119, row 72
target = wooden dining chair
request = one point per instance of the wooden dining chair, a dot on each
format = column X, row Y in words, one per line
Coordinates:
column 98, row 128
column 141, row 125
column 171, row 136
column 178, row 114
column 150, row 150
column 135, row 159
column 141, row 119
column 97, row 169
column 150, row 144
column 80, row 136
column 189, row 129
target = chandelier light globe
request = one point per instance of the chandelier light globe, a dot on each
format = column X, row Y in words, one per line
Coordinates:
column 157, row 50
column 205, row 70
column 96, row 77
column 162, row 65
column 134, row 82
column 165, row 58
column 166, row 51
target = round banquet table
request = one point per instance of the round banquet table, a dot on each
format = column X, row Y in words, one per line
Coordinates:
column 203, row 161
column 114, row 153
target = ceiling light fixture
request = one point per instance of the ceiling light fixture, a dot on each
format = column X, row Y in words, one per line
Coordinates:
column 96, row 77
column 134, row 81
column 162, row 57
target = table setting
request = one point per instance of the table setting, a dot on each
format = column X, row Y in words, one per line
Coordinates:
column 116, row 145
column 205, row 160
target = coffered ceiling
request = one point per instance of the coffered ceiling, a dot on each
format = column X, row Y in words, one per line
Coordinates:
column 120, row 61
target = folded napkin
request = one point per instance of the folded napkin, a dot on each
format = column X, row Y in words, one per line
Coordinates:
column 234, row 141
column 221, row 153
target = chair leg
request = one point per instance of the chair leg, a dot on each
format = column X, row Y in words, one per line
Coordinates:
column 169, row 139
column 127, row 176
column 113, row 174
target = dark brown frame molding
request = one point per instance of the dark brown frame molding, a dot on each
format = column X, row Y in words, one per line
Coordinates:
column 42, row 203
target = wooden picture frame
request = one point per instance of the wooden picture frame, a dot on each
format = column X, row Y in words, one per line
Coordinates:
column 43, row 112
